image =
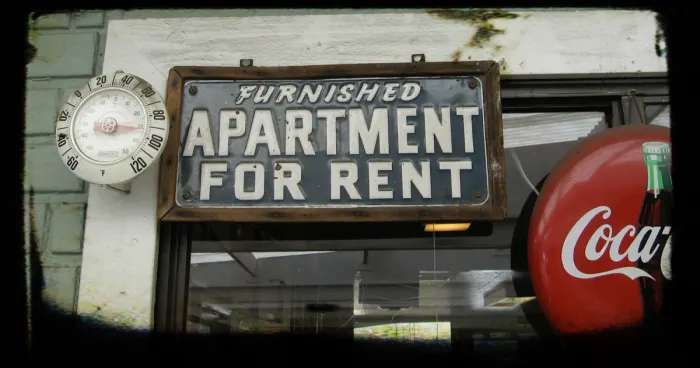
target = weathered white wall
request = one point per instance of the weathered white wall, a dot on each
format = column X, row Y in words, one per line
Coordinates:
column 119, row 256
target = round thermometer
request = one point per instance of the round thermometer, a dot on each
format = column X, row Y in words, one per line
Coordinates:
column 112, row 129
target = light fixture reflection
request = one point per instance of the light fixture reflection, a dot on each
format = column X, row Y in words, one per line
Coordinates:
column 447, row 227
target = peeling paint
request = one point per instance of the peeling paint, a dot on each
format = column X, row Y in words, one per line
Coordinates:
column 31, row 49
column 484, row 34
column 479, row 18
column 457, row 55
column 504, row 65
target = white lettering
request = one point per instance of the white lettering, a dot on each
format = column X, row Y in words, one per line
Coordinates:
column 437, row 130
column 378, row 131
column 331, row 92
column 390, row 92
column 206, row 181
column 301, row 134
column 288, row 175
column 226, row 131
column 312, row 95
column 404, row 129
column 286, row 92
column 331, row 116
column 611, row 244
column 199, row 134
column 411, row 91
column 466, row 113
column 421, row 181
column 263, row 98
column 364, row 90
column 262, row 131
column 245, row 92
column 646, row 252
column 666, row 269
column 455, row 168
column 346, row 93
column 375, row 180
column 347, row 181
column 605, row 232
column 240, row 190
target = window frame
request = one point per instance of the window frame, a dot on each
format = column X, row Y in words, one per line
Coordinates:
column 608, row 93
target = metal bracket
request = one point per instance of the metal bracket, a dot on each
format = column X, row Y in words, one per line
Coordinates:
column 124, row 188
column 246, row 63
column 418, row 58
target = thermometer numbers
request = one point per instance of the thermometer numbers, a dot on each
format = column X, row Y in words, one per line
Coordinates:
column 101, row 80
column 155, row 141
column 72, row 162
column 109, row 125
column 138, row 165
column 112, row 129
column 62, row 140
column 63, row 115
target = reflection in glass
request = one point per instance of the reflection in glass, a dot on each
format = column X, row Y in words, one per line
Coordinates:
column 412, row 331
column 659, row 115
column 414, row 295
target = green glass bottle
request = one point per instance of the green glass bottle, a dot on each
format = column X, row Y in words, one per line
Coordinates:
column 655, row 212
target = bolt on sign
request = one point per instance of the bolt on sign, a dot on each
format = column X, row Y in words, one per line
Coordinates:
column 368, row 142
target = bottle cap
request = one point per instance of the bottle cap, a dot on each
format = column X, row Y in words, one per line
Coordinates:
column 658, row 148
column 656, row 152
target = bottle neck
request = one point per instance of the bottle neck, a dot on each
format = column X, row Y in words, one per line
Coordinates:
column 659, row 178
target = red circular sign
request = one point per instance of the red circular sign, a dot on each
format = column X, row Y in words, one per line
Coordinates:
column 599, row 228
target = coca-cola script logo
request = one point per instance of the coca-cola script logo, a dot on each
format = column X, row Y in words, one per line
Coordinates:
column 605, row 242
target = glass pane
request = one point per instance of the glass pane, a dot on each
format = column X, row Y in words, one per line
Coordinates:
column 414, row 293
column 659, row 115
column 395, row 281
column 539, row 141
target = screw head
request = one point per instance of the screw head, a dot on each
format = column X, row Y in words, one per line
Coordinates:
column 186, row 195
column 477, row 194
column 108, row 126
column 193, row 90
column 472, row 83
column 418, row 58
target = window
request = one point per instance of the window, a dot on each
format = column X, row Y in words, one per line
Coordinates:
column 659, row 114
column 392, row 280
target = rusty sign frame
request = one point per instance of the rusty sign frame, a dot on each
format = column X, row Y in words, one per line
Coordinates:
column 493, row 209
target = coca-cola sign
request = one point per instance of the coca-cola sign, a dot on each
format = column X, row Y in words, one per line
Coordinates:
column 605, row 242
column 600, row 233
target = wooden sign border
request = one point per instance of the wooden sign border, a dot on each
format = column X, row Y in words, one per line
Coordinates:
column 493, row 209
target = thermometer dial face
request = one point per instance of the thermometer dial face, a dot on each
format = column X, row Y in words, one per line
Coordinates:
column 112, row 129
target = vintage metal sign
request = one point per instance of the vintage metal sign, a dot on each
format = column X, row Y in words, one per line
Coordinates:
column 293, row 147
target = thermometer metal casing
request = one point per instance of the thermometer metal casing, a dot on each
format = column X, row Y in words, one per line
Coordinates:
column 112, row 129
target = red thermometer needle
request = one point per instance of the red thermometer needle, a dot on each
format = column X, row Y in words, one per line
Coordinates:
column 120, row 128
